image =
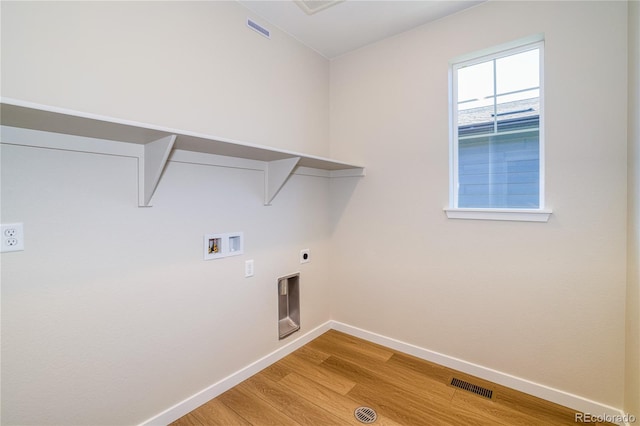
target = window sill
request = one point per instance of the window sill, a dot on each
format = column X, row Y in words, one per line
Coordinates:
column 521, row 215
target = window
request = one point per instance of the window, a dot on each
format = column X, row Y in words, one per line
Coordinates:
column 497, row 145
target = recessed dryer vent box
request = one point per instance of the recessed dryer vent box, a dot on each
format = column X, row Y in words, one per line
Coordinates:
column 217, row 246
column 288, row 305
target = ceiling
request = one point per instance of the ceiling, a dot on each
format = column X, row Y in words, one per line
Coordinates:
column 350, row 24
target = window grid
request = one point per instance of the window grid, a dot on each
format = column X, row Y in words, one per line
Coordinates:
column 496, row 130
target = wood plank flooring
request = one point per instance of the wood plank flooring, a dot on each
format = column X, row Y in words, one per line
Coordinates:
column 323, row 382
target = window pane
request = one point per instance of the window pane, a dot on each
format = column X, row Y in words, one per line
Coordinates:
column 475, row 98
column 500, row 171
column 475, row 86
column 498, row 133
column 518, row 72
column 518, row 97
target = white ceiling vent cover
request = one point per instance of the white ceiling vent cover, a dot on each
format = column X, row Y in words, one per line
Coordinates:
column 314, row 6
column 258, row 28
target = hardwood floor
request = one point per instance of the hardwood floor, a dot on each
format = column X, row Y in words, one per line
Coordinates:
column 323, row 382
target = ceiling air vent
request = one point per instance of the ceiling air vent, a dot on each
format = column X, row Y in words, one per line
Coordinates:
column 258, row 28
column 314, row 6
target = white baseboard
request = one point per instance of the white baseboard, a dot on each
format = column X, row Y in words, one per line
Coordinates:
column 566, row 399
column 194, row 401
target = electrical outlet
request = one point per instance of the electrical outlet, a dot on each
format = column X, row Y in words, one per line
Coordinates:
column 305, row 256
column 248, row 268
column 12, row 235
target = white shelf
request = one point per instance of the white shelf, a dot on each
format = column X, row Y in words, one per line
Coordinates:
column 159, row 142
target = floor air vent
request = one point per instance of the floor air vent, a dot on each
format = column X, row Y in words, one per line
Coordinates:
column 470, row 387
column 365, row 414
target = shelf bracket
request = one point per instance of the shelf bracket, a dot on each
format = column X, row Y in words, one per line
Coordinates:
column 276, row 174
column 154, row 159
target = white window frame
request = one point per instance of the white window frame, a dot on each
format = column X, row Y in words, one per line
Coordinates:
column 541, row 214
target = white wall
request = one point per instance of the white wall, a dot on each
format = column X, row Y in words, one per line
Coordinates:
column 110, row 315
column 632, row 371
column 184, row 65
column 541, row 301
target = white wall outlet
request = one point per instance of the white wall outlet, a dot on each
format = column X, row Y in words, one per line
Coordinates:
column 248, row 268
column 12, row 237
column 305, row 256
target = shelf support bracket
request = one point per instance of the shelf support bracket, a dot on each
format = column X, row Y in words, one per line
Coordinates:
column 276, row 174
column 154, row 160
